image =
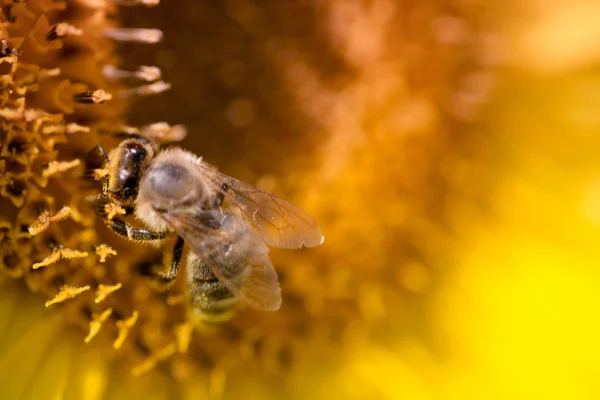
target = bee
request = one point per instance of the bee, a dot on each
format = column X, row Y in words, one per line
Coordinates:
column 227, row 224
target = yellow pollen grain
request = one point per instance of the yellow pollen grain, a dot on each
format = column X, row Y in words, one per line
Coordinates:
column 48, row 73
column 147, row 90
column 31, row 115
column 112, row 210
column 105, row 290
column 46, row 220
column 183, row 333
column 68, row 253
column 124, row 326
column 99, row 96
column 96, row 324
column 51, row 259
column 58, row 254
column 130, row 130
column 76, row 128
column 56, row 167
column 104, row 251
column 66, row 293
column 153, row 359
column 63, row 29
column 134, row 35
column 53, row 129
column 100, row 173
column 147, row 3
column 162, row 131
column 92, row 97
column 13, row 114
column 148, row 73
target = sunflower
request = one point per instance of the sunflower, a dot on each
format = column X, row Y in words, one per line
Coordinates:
column 439, row 187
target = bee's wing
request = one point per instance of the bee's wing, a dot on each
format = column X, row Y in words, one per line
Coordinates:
column 279, row 222
column 235, row 254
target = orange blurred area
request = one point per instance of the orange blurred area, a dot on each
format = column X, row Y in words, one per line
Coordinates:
column 518, row 314
column 451, row 160
column 515, row 313
column 449, row 153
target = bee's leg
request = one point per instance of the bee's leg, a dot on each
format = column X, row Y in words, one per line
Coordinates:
column 170, row 276
column 100, row 150
column 122, row 228
column 101, row 196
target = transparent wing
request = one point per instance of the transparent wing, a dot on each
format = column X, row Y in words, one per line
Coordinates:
column 235, row 254
column 279, row 222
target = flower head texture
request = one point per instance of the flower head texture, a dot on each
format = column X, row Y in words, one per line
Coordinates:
column 446, row 150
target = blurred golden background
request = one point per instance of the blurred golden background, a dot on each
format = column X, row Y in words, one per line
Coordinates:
column 448, row 151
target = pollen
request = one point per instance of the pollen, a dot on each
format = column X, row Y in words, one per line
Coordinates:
column 58, row 254
column 134, row 35
column 45, row 219
column 145, row 73
column 147, row 90
column 67, row 292
column 104, row 291
column 100, row 173
column 96, row 324
column 56, row 167
column 48, row 73
column 92, row 97
column 124, row 326
column 62, row 30
column 58, row 129
column 148, row 73
column 112, row 210
column 163, row 132
column 76, row 128
column 104, row 251
column 27, row 115
column 147, row 3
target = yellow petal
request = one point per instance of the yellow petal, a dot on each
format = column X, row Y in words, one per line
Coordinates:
column 19, row 312
column 51, row 377
column 89, row 375
column 21, row 363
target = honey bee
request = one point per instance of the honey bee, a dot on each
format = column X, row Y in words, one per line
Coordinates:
column 227, row 224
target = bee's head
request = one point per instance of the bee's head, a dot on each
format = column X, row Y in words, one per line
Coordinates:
column 128, row 162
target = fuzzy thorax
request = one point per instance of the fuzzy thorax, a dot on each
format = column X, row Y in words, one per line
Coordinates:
column 173, row 181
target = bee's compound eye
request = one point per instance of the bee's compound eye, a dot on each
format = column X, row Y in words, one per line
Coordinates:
column 170, row 181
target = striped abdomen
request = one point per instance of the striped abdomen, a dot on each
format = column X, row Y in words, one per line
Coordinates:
column 210, row 301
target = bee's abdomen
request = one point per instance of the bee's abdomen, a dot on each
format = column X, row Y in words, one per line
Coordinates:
column 210, row 301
